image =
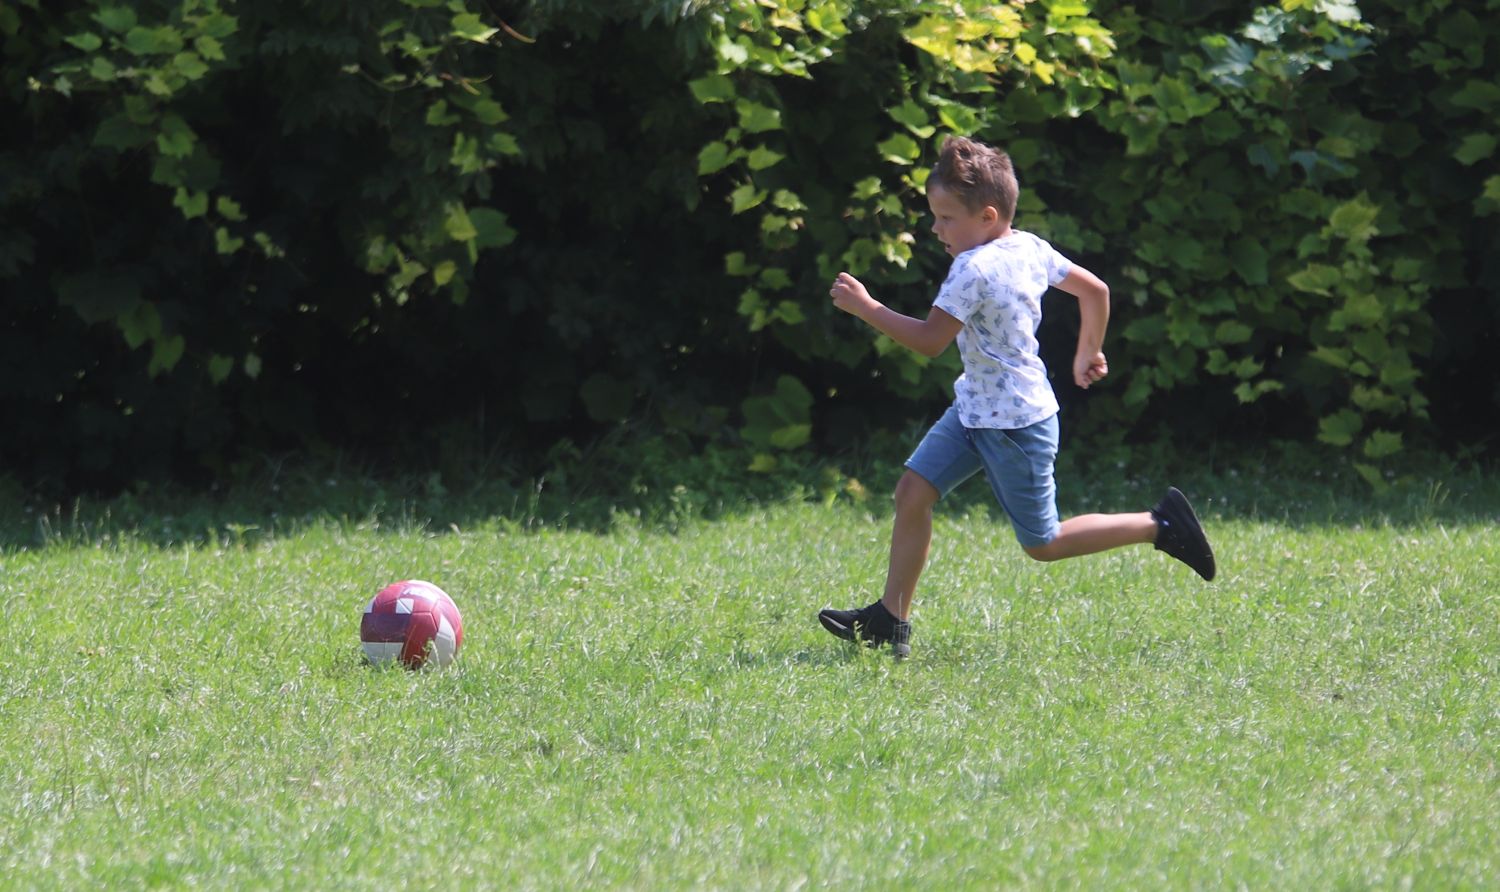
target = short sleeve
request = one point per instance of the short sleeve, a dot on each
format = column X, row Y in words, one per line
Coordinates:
column 1058, row 266
column 959, row 295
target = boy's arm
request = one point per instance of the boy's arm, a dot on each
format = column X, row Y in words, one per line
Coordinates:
column 1089, row 364
column 928, row 337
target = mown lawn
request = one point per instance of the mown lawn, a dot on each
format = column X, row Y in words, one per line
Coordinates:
column 638, row 706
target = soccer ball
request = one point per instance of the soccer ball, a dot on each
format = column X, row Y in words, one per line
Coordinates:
column 414, row 622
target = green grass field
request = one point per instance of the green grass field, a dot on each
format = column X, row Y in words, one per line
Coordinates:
column 638, row 706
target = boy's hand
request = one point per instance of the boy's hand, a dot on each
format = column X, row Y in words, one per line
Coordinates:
column 1089, row 368
column 849, row 295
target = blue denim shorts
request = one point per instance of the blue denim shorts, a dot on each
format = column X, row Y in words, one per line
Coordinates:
column 1018, row 464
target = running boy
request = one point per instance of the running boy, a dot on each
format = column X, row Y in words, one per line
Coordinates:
column 1004, row 416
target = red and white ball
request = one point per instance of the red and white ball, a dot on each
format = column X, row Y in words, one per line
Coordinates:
column 414, row 622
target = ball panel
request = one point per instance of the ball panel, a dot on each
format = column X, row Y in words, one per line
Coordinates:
column 447, row 610
column 413, row 621
column 384, row 627
column 380, row 652
column 416, row 588
column 445, row 642
column 419, row 637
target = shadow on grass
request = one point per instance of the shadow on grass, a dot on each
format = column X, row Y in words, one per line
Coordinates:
column 1296, row 492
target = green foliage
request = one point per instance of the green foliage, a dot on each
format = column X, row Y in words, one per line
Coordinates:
column 266, row 227
column 1261, row 224
column 233, row 230
column 781, row 419
column 1314, row 209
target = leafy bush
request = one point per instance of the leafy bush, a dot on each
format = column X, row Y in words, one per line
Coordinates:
column 427, row 229
column 1249, row 189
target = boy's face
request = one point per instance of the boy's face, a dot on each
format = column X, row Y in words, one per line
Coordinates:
column 957, row 227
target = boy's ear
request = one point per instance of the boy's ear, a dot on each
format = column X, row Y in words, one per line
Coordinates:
column 989, row 214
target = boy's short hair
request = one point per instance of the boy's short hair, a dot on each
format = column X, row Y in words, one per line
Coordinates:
column 978, row 174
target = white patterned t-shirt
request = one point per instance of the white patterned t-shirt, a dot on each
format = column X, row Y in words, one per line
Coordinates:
column 996, row 291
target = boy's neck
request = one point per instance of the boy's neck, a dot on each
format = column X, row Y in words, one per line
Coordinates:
column 995, row 235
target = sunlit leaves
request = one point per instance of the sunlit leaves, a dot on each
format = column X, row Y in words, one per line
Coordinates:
column 488, row 112
column 192, row 204
column 969, row 43
column 1317, row 278
column 1231, row 331
column 175, row 138
column 86, row 41
column 1354, row 220
column 712, row 88
column 914, row 117
column 899, row 149
column 491, row 227
column 746, row 197
column 225, row 242
column 209, row 47
column 1475, row 147
column 118, row 19
column 761, row 158
column 153, row 41
column 757, row 118
column 458, row 225
column 1340, row 428
column 469, row 26
column 714, row 157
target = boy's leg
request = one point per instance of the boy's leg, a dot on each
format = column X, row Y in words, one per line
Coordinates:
column 1019, row 464
column 911, row 537
column 1091, row 533
column 1172, row 526
column 944, row 459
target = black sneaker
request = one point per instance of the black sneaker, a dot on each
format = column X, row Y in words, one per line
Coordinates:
column 873, row 624
column 1179, row 534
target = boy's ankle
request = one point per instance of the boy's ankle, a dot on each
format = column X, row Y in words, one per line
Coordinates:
column 901, row 640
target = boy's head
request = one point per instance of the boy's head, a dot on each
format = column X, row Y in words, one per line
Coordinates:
column 972, row 192
column 978, row 175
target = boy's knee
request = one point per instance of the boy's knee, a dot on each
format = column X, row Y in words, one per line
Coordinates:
column 914, row 493
column 1045, row 553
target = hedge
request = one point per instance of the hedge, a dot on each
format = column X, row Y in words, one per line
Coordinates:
column 426, row 228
